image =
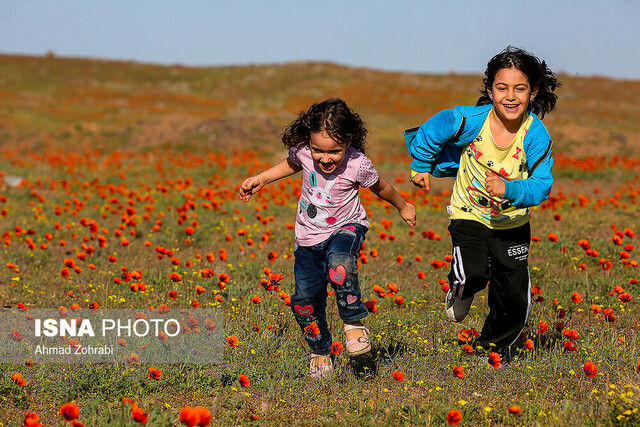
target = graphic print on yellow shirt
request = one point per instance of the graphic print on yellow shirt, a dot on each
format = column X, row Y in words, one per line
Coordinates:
column 470, row 198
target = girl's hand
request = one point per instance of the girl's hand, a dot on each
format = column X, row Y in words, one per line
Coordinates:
column 422, row 180
column 250, row 186
column 494, row 185
column 408, row 213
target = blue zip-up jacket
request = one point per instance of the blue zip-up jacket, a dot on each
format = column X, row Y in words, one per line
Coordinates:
column 437, row 145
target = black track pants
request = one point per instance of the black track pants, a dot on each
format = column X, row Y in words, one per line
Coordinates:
column 497, row 258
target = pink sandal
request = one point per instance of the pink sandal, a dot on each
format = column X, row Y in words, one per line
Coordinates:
column 359, row 345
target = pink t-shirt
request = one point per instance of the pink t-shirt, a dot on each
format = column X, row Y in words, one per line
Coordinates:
column 329, row 201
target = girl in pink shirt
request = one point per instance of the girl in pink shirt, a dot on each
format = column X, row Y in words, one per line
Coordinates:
column 327, row 143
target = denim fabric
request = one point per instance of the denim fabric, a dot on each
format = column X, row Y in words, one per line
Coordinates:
column 332, row 261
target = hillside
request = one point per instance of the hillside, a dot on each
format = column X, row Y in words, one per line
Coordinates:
column 51, row 101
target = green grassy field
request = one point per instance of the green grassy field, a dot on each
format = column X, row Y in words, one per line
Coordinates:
column 143, row 152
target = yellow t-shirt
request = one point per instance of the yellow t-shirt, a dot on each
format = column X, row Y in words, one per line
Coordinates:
column 470, row 199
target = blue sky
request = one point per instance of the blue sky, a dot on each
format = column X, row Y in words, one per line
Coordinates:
column 585, row 37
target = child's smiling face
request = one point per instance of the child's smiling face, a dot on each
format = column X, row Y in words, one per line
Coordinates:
column 511, row 92
column 326, row 152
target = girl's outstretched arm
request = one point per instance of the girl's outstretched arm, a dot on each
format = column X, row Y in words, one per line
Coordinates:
column 253, row 184
column 386, row 192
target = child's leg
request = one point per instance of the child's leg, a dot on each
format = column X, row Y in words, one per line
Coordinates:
column 509, row 289
column 342, row 252
column 309, row 300
column 342, row 255
column 470, row 268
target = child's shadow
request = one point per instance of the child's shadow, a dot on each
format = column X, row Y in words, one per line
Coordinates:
column 365, row 366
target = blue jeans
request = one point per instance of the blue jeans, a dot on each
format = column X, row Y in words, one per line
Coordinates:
column 332, row 261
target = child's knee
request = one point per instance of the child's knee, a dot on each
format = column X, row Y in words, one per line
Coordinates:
column 341, row 268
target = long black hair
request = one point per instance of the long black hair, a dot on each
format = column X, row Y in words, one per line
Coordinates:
column 333, row 116
column 539, row 75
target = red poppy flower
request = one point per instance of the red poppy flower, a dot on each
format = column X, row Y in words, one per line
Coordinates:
column 464, row 335
column 371, row 306
column 454, row 417
column 569, row 346
column 608, row 315
column 590, row 369
column 399, row 300
column 458, row 371
column 154, row 374
column 337, row 348
column 232, row 341
column 584, row 244
column 553, row 237
column 437, row 263
column 513, row 409
column 605, row 264
column 69, row 411
column 256, row 299
column 576, row 297
column 312, row 330
column 244, row 380
column 19, row 379
column 398, row 375
column 138, row 415
column 494, row 360
column 16, row 335
column 31, row 419
column 467, row 349
column 198, row 416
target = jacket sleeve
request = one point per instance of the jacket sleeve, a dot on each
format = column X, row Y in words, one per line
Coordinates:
column 426, row 142
column 534, row 190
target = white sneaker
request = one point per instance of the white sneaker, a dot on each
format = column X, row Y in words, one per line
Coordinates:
column 457, row 309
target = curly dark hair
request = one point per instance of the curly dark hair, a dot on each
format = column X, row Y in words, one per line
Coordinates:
column 539, row 75
column 333, row 116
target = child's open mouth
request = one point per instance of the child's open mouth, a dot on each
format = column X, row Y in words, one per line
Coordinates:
column 511, row 107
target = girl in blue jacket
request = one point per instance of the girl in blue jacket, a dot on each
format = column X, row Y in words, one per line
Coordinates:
column 500, row 154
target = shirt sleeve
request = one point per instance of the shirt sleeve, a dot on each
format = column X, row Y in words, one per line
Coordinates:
column 293, row 154
column 367, row 174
